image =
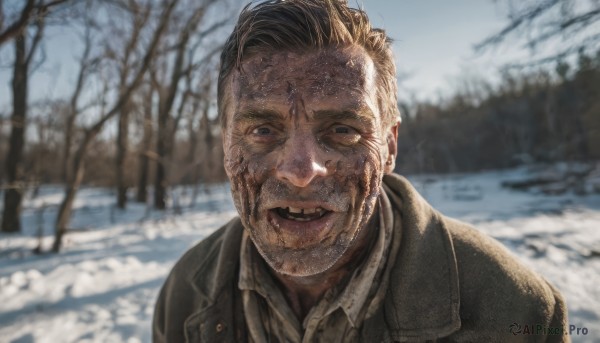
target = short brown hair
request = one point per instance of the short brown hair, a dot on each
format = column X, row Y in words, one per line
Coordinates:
column 296, row 25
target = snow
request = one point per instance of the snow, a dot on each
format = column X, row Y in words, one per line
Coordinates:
column 102, row 286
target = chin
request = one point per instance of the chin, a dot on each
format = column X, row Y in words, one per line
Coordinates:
column 302, row 262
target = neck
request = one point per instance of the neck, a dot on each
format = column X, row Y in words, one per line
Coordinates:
column 303, row 293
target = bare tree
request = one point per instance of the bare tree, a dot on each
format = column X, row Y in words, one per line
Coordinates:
column 202, row 164
column 168, row 90
column 43, row 150
column 33, row 10
column 145, row 148
column 24, row 54
column 200, row 101
column 86, row 65
column 124, row 96
column 141, row 14
column 573, row 22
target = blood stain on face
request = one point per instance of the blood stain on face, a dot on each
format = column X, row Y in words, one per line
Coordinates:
column 305, row 151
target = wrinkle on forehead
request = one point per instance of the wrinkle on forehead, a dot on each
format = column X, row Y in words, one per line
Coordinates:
column 318, row 74
column 296, row 103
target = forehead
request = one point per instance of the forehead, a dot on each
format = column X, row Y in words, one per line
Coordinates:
column 344, row 76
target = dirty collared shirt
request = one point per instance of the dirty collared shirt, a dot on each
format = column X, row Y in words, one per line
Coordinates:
column 339, row 315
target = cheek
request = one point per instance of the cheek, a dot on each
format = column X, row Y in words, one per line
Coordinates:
column 247, row 172
column 359, row 175
column 367, row 180
column 236, row 167
column 242, row 163
column 358, row 163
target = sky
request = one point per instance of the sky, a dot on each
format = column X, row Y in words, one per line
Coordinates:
column 433, row 48
column 434, row 41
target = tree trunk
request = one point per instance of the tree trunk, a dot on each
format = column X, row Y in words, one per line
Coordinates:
column 122, row 142
column 69, row 125
column 12, row 197
column 142, row 191
column 73, row 110
column 64, row 213
column 142, row 194
column 166, row 133
column 160, row 180
column 208, row 144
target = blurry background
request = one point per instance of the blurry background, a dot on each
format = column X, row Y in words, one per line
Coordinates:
column 111, row 157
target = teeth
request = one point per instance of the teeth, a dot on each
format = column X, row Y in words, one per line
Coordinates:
column 303, row 214
column 304, row 210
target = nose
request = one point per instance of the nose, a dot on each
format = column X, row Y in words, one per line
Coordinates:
column 299, row 163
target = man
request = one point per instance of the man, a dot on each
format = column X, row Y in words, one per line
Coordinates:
column 330, row 245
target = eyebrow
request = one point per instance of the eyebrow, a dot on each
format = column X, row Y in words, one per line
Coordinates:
column 252, row 115
column 364, row 117
column 257, row 115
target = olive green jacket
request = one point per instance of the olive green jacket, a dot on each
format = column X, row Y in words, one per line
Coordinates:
column 450, row 283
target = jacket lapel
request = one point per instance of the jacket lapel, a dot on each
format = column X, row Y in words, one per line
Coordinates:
column 222, row 319
column 423, row 297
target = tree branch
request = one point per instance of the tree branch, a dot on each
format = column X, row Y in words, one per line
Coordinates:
column 124, row 97
column 1, row 15
column 183, row 40
column 20, row 24
column 26, row 13
column 195, row 66
column 516, row 23
column 555, row 57
column 40, row 24
column 582, row 18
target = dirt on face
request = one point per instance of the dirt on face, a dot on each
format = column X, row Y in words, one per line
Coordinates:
column 305, row 152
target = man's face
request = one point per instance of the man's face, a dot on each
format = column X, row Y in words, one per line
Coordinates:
column 305, row 150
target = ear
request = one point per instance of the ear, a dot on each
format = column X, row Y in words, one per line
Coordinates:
column 392, row 147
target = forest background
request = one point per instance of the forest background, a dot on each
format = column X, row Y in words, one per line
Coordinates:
column 139, row 114
column 111, row 157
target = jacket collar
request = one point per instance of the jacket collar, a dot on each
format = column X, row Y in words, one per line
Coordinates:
column 221, row 267
column 423, row 297
column 422, row 301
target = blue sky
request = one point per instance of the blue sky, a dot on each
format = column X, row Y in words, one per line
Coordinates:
column 433, row 46
column 434, row 40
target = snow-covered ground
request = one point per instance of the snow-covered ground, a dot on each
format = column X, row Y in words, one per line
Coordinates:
column 102, row 287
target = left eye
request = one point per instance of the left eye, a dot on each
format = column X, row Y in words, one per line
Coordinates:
column 262, row 131
column 342, row 134
column 341, row 129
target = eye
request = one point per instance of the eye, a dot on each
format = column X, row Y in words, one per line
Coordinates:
column 262, row 131
column 341, row 129
column 264, row 134
column 342, row 134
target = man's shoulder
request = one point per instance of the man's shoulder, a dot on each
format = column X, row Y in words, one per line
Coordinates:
column 496, row 287
column 463, row 274
column 484, row 261
column 207, row 247
column 196, row 281
column 211, row 261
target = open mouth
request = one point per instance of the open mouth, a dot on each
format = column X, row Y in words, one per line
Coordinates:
column 301, row 214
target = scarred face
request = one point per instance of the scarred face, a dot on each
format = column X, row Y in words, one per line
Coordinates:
column 305, row 150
